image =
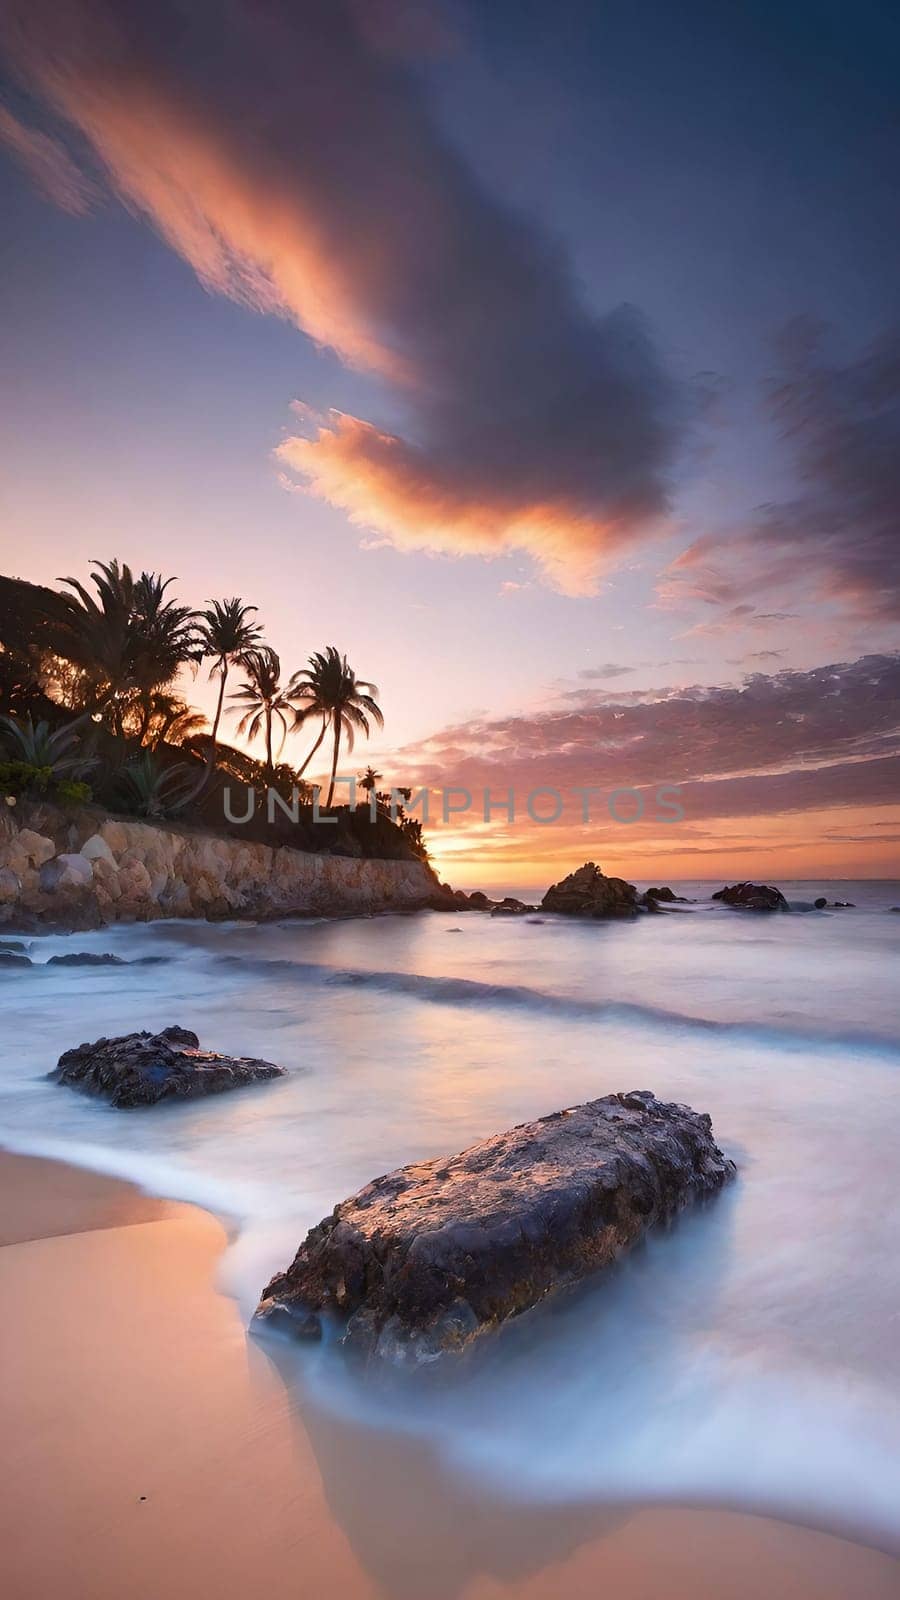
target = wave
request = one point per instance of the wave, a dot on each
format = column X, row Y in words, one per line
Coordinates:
column 439, row 990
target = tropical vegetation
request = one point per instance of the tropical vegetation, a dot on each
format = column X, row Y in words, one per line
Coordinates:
column 93, row 678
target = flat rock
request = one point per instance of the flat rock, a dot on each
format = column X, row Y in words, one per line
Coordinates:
column 589, row 893
column 140, row 1069
column 12, row 958
column 86, row 958
column 752, row 897
column 424, row 1261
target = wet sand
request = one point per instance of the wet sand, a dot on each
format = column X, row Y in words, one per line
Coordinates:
column 151, row 1450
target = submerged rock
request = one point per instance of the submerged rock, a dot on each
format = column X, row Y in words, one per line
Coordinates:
column 12, row 958
column 509, row 906
column 589, row 893
column 752, row 897
column 425, row 1260
column 447, row 899
column 139, row 1069
column 86, row 958
column 666, row 895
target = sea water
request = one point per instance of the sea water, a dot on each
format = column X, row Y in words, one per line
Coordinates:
column 748, row 1357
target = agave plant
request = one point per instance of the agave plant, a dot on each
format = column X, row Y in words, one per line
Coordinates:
column 154, row 790
column 53, row 750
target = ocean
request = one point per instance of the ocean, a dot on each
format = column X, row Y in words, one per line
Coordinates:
column 748, row 1357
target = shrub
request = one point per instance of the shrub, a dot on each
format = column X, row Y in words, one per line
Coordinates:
column 71, row 792
column 23, row 777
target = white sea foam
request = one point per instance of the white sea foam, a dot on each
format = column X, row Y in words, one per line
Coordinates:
column 747, row 1358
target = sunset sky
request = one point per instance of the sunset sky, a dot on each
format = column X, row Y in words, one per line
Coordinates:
column 545, row 358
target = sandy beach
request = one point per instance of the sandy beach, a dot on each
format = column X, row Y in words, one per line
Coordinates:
column 153, row 1450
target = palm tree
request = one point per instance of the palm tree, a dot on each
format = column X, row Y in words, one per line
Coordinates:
column 163, row 639
column 329, row 688
column 129, row 639
column 370, row 779
column 227, row 634
column 263, row 700
column 355, row 704
column 96, row 634
column 315, row 687
column 172, row 720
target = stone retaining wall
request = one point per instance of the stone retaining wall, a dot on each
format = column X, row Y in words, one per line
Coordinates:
column 84, row 869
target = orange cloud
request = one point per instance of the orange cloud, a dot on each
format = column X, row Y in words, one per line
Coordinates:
column 291, row 156
column 382, row 481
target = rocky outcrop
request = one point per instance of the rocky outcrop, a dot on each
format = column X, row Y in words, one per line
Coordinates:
column 665, row 895
column 752, row 897
column 140, row 1069
column 444, row 898
column 589, row 893
column 426, row 1260
column 84, row 869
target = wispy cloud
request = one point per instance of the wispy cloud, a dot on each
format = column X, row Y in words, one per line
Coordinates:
column 48, row 164
column 787, row 741
column 609, row 669
column 756, row 655
column 838, row 540
column 532, row 423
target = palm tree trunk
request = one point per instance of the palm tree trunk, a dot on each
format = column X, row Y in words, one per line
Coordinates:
column 270, row 765
column 301, row 770
column 211, row 753
column 337, row 747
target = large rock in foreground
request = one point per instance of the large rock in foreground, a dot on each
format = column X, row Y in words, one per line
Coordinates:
column 753, row 897
column 423, row 1261
column 140, row 1069
column 589, row 893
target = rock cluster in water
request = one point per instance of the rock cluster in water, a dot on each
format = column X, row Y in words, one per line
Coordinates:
column 589, row 893
column 424, row 1261
column 446, row 899
column 752, row 897
column 140, row 1069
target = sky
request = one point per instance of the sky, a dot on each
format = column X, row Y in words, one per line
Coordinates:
column 545, row 358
